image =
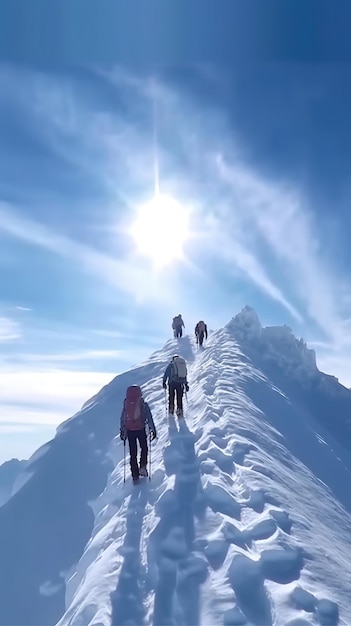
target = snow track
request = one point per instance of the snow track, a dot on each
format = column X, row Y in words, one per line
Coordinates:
column 234, row 527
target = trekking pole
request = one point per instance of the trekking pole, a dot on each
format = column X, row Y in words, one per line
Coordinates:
column 166, row 403
column 149, row 454
column 124, row 461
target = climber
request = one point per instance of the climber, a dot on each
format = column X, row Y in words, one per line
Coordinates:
column 135, row 416
column 178, row 325
column 176, row 374
column 200, row 332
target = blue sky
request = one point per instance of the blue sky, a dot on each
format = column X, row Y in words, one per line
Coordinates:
column 257, row 156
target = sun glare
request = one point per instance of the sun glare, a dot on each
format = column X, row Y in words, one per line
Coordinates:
column 160, row 230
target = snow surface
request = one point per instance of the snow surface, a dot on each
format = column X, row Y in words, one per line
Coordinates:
column 246, row 519
column 9, row 472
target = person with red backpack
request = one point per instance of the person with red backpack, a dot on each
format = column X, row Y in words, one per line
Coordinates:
column 200, row 332
column 135, row 416
column 176, row 374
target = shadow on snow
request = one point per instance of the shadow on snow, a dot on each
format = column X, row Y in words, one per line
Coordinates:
column 180, row 572
column 127, row 600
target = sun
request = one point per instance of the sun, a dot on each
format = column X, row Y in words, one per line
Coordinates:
column 160, row 230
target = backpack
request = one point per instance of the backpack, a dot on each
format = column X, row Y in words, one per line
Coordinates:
column 201, row 327
column 134, row 409
column 179, row 371
column 177, row 321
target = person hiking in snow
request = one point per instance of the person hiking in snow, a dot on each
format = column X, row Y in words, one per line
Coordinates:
column 135, row 416
column 200, row 332
column 178, row 325
column 176, row 374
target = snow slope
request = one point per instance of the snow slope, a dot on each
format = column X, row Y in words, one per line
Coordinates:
column 247, row 517
column 9, row 472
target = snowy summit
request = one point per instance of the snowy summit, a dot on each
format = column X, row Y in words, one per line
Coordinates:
column 245, row 519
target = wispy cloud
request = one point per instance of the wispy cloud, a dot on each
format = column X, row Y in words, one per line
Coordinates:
column 23, row 308
column 204, row 160
column 240, row 257
column 263, row 228
column 98, row 140
column 82, row 355
column 289, row 229
column 127, row 275
column 199, row 138
column 255, row 228
column 46, row 397
column 198, row 146
column 33, row 404
column 10, row 330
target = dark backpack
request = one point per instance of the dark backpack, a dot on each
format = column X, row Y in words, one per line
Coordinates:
column 134, row 408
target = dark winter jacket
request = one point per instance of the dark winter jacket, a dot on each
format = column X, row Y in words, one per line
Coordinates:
column 197, row 331
column 147, row 418
column 177, row 322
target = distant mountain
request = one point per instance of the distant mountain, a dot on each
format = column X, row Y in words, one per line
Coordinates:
column 246, row 519
column 9, row 472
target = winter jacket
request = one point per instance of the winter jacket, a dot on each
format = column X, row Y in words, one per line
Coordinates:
column 169, row 374
column 147, row 418
column 197, row 331
column 177, row 322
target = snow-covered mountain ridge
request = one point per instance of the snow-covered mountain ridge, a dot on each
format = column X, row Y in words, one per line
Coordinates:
column 246, row 519
column 289, row 363
column 278, row 342
column 8, row 475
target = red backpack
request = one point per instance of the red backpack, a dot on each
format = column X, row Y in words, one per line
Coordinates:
column 134, row 408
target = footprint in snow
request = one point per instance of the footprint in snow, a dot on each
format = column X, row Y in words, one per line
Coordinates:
column 303, row 600
column 326, row 611
column 163, row 605
column 192, row 572
column 219, row 441
column 281, row 566
column 240, row 451
column 263, row 530
column 174, row 545
column 219, row 433
column 247, row 578
column 223, row 461
column 209, row 466
column 215, row 552
column 244, row 538
column 256, row 500
column 247, row 582
column 211, row 381
column 282, row 519
column 220, row 501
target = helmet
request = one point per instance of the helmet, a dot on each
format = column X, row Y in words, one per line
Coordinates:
column 175, row 356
